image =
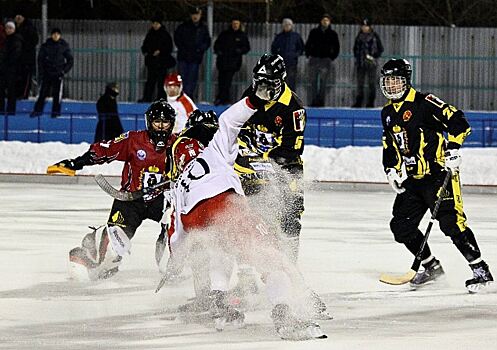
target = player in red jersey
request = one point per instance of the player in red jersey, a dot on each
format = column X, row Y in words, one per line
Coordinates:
column 145, row 157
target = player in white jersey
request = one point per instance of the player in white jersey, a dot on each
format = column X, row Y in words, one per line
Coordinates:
column 210, row 208
column 181, row 102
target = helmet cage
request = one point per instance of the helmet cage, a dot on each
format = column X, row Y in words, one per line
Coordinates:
column 393, row 87
column 164, row 112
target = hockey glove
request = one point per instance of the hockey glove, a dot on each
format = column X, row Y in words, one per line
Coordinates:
column 69, row 166
column 395, row 180
column 453, row 159
column 259, row 95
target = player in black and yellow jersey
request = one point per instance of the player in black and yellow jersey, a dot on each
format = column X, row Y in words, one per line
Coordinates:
column 416, row 155
column 284, row 119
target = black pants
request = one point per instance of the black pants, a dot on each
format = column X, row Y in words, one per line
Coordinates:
column 155, row 79
column 420, row 196
column 225, row 78
column 25, row 80
column 49, row 85
column 130, row 215
column 8, row 90
column 365, row 73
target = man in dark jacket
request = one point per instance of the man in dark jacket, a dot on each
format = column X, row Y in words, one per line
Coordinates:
column 9, row 68
column 229, row 47
column 322, row 47
column 108, row 126
column 157, row 48
column 289, row 45
column 54, row 61
column 367, row 48
column 28, row 60
column 192, row 39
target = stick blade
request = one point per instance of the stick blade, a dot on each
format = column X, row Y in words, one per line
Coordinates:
column 398, row 280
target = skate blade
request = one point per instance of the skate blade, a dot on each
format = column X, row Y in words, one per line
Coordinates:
column 310, row 332
column 478, row 287
column 221, row 323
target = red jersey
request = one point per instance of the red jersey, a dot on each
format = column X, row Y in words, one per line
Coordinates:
column 143, row 164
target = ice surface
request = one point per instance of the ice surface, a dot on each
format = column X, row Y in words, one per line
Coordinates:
column 345, row 246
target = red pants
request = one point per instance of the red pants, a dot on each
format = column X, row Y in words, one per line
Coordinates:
column 230, row 217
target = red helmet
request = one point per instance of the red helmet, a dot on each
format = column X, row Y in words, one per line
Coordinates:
column 173, row 79
column 185, row 150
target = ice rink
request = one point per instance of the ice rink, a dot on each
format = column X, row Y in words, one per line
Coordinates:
column 345, row 245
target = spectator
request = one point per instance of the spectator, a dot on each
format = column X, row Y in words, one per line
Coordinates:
column 157, row 48
column 181, row 102
column 289, row 45
column 192, row 39
column 367, row 49
column 322, row 47
column 3, row 37
column 108, row 126
column 28, row 60
column 54, row 61
column 229, row 47
column 9, row 68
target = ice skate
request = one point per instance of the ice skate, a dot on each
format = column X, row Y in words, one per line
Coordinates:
column 290, row 327
column 222, row 313
column 94, row 261
column 432, row 271
column 319, row 307
column 481, row 277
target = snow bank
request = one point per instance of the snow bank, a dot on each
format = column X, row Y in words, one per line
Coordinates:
column 323, row 164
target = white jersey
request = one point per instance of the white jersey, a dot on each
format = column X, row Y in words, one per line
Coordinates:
column 184, row 106
column 212, row 172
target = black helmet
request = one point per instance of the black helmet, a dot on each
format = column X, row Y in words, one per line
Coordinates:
column 198, row 117
column 160, row 110
column 399, row 72
column 270, row 71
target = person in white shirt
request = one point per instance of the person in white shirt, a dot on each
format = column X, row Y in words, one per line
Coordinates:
column 181, row 102
column 210, row 209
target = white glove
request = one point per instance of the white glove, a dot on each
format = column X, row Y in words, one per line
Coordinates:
column 453, row 159
column 395, row 180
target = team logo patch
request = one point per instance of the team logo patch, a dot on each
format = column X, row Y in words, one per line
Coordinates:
column 141, row 154
column 278, row 121
column 407, row 115
column 435, row 100
column 396, row 129
column 122, row 137
column 299, row 120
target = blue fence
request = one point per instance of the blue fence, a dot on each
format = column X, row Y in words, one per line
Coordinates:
column 326, row 127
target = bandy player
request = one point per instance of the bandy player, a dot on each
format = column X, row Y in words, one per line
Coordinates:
column 209, row 206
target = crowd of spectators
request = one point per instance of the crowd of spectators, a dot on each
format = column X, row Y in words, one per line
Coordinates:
column 18, row 69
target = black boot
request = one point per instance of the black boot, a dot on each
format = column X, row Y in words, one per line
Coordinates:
column 223, row 313
column 432, row 271
column 481, row 277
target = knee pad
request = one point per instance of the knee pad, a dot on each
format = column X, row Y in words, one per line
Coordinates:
column 100, row 251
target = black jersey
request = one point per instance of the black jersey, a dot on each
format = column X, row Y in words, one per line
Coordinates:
column 285, row 119
column 413, row 133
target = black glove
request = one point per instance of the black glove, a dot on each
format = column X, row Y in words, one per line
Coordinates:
column 79, row 162
column 256, row 101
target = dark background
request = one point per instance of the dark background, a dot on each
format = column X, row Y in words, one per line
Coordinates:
column 461, row 13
